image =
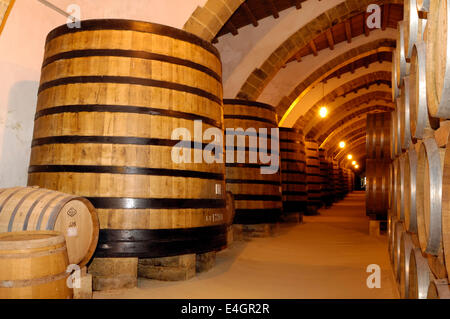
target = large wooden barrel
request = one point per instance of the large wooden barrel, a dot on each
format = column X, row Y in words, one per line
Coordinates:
column 429, row 196
column 377, row 187
column 115, row 98
column 257, row 195
column 406, row 246
column 402, row 67
column 409, row 184
column 313, row 179
column 293, row 165
column 325, row 191
column 405, row 115
column 422, row 124
column 438, row 289
column 438, row 59
column 33, row 265
column 420, row 275
column 378, row 138
column 34, row 208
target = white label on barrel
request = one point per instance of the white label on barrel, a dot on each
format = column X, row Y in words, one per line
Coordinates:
column 218, row 189
column 72, row 232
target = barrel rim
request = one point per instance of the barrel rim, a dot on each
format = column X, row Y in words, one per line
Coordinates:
column 241, row 102
column 134, row 25
column 54, row 238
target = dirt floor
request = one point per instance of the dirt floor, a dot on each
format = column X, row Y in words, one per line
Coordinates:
column 325, row 257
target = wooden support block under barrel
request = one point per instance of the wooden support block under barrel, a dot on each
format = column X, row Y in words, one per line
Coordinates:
column 205, row 262
column 113, row 273
column 174, row 268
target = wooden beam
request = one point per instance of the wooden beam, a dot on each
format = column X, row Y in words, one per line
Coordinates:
column 365, row 26
column 330, row 39
column 298, row 4
column 250, row 14
column 386, row 12
column 274, row 9
column 313, row 47
column 348, row 31
column 230, row 26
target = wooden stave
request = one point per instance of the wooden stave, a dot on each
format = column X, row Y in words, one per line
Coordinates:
column 205, row 62
column 419, row 275
column 406, row 246
column 400, row 190
column 266, row 211
column 438, row 289
column 34, row 279
column 410, row 190
column 438, row 94
column 411, row 18
column 293, row 175
column 41, row 196
column 422, row 124
column 429, row 217
column 313, row 179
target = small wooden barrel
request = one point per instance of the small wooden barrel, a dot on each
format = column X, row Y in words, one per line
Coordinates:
column 409, row 184
column 397, row 236
column 438, row 59
column 325, row 191
column 33, row 265
column 34, row 208
column 313, row 179
column 420, row 275
column 402, row 67
column 112, row 100
column 293, row 165
column 406, row 246
column 411, row 23
column 395, row 89
column 400, row 189
column 446, row 208
column 377, row 187
column 405, row 115
column 257, row 196
column 422, row 124
column 438, row 289
column 378, row 138
column 429, row 196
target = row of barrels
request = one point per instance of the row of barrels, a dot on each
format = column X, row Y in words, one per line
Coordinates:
column 419, row 221
column 309, row 179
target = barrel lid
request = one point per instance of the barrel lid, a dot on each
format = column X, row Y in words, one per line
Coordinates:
column 134, row 25
column 30, row 239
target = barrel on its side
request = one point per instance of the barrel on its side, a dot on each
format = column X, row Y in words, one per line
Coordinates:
column 34, row 208
column 378, row 138
column 377, row 187
column 313, row 178
column 420, row 275
column 33, row 265
column 112, row 95
column 293, row 175
column 406, row 246
column 257, row 195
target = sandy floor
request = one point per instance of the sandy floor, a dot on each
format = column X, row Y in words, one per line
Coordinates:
column 326, row 257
